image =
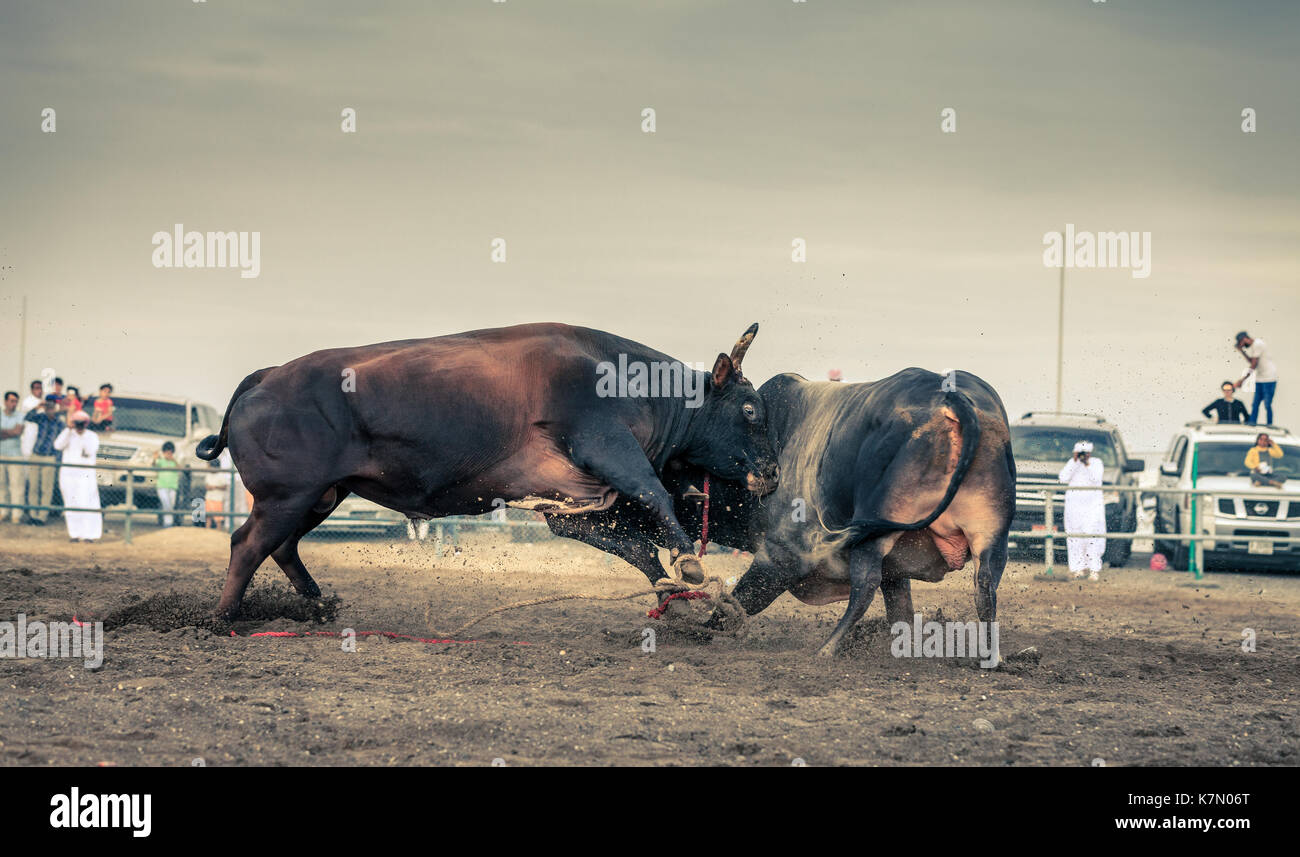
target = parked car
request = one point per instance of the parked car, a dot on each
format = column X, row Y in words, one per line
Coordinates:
column 1042, row 442
column 142, row 423
column 1217, row 453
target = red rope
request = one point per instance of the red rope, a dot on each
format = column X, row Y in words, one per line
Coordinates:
column 704, row 530
column 688, row 596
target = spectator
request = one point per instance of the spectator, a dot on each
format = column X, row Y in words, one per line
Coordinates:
column 56, row 387
column 35, row 397
column 12, row 480
column 169, row 481
column 43, row 459
column 101, row 417
column 1257, row 459
column 1085, row 512
column 216, row 485
column 27, row 441
column 1226, row 409
column 72, row 400
column 1256, row 353
column 77, row 479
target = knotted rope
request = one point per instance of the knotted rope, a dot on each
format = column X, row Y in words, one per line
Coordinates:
column 712, row 588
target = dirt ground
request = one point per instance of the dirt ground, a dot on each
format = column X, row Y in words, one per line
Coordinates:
column 1143, row 668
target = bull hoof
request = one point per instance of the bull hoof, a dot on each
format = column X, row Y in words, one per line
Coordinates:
column 829, row 650
column 309, row 590
column 689, row 569
column 719, row 621
column 226, row 615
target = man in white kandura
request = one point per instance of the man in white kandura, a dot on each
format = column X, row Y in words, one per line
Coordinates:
column 1085, row 512
column 77, row 483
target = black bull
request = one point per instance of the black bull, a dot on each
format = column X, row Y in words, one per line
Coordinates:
column 457, row 424
column 855, row 459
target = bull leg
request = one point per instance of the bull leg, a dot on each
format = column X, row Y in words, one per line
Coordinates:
column 616, row 457
column 774, row 570
column 637, row 551
column 267, row 527
column 897, row 592
column 989, row 565
column 866, row 563
column 286, row 555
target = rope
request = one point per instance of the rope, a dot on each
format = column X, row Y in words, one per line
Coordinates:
column 391, row 635
column 717, row 593
column 704, row 529
column 550, row 599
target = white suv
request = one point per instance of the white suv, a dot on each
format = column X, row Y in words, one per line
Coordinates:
column 142, row 423
column 1239, row 524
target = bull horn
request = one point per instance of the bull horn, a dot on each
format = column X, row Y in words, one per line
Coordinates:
column 742, row 345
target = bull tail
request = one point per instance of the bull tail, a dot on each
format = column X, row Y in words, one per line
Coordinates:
column 212, row 445
column 857, row 531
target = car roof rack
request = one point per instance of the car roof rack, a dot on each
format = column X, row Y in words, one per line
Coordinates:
column 1210, row 426
column 1031, row 414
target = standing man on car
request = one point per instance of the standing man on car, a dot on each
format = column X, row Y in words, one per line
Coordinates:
column 1256, row 353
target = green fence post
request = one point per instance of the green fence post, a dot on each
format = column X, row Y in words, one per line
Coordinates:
column 1193, row 548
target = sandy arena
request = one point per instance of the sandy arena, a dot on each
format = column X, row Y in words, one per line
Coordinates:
column 1144, row 668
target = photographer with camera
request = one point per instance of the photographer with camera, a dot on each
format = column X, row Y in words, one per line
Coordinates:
column 1085, row 512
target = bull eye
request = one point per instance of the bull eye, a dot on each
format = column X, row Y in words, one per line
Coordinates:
column 749, row 411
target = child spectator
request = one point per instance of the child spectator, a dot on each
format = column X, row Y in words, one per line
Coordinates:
column 169, row 481
column 72, row 400
column 216, row 485
column 101, row 419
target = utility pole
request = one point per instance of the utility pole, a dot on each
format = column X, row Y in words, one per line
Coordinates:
column 22, row 346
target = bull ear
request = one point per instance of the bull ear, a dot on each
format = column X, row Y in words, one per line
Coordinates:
column 723, row 371
column 742, row 345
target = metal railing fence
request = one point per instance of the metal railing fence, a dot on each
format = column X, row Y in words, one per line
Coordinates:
column 228, row 517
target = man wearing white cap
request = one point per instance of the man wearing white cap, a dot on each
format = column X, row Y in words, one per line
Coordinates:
column 1085, row 511
column 77, row 483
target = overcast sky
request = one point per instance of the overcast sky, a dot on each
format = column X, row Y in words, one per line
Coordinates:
column 775, row 121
